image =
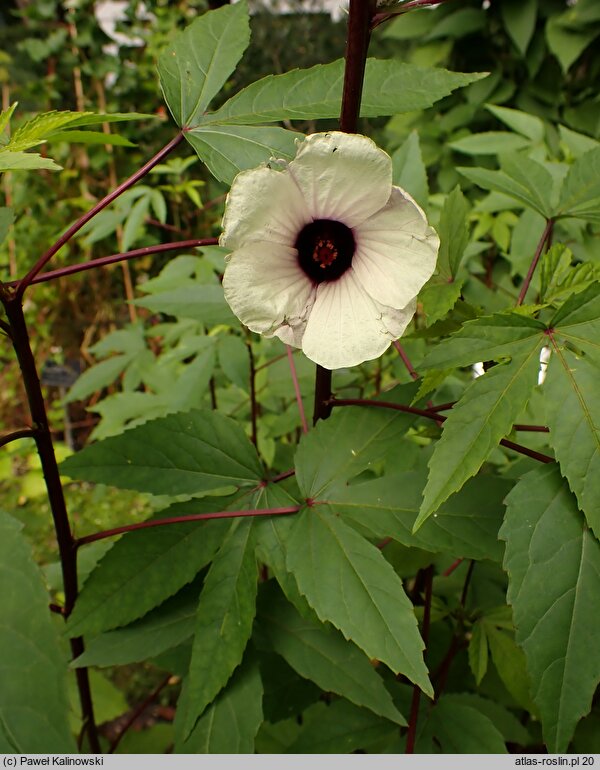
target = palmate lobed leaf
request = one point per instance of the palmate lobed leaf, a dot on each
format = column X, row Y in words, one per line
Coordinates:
column 227, row 150
column 572, row 399
column 198, row 61
column 187, row 453
column 485, row 339
column 165, row 627
column 390, row 87
column 223, row 621
column 340, row 728
column 477, row 422
column 229, row 725
column 553, row 562
column 144, row 568
column 466, row 525
column 347, row 443
column 33, row 695
column 348, row 582
column 321, row 654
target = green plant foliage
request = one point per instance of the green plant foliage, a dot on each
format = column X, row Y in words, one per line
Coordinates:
column 194, row 67
column 349, row 583
column 422, row 549
column 321, row 654
column 199, row 451
column 478, row 421
column 153, row 562
column 223, row 620
column 548, row 545
column 164, row 628
column 230, row 723
column 33, row 700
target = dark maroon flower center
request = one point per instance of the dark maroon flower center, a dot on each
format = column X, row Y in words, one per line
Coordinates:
column 325, row 249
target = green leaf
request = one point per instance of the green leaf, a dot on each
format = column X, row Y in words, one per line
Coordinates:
column 519, row 17
column 525, row 124
column 227, row 150
column 567, row 43
column 229, row 725
column 463, row 729
column 553, row 562
column 142, row 569
column 346, row 444
column 580, row 194
column 33, row 700
column 25, row 161
column 503, row 719
column 340, row 728
column 466, row 525
column 195, row 66
column 202, row 303
column 478, row 651
column 186, row 453
column 7, row 217
column 167, row 626
column 572, row 399
column 408, row 169
column 578, row 319
column 390, row 87
column 489, row 143
column 234, row 360
column 484, row 415
column 485, row 339
column 521, row 178
column 560, row 277
column 438, row 298
column 349, row 583
column 511, row 666
column 321, row 654
column 223, row 621
column 97, row 377
column 453, row 230
column 91, row 137
column 458, row 23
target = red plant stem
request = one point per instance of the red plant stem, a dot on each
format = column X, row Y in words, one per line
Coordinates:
column 416, row 694
column 438, row 418
column 290, row 356
column 62, row 526
column 113, row 258
column 282, row 476
column 102, row 204
column 531, row 428
column 17, row 434
column 360, row 13
column 183, row 519
column 406, row 360
column 137, row 712
column 452, row 567
column 536, row 258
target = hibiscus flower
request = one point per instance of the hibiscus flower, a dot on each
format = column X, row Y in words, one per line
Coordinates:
column 327, row 254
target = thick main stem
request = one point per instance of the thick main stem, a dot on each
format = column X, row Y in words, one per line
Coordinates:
column 360, row 13
column 64, row 536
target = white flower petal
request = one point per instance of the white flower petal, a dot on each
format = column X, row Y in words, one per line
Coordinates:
column 342, row 176
column 396, row 251
column 346, row 326
column 263, row 205
column 266, row 288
